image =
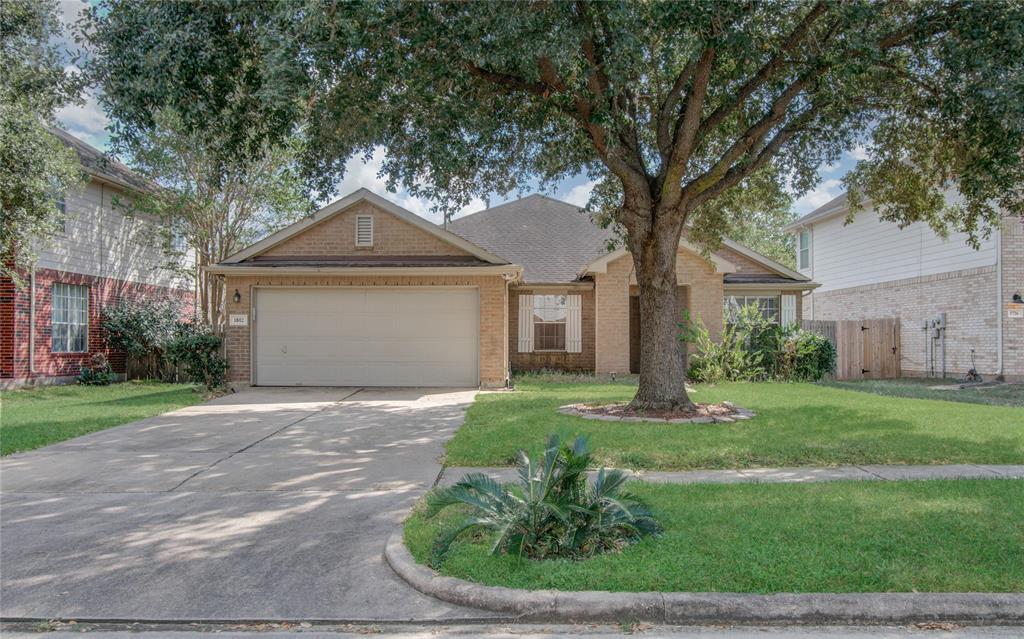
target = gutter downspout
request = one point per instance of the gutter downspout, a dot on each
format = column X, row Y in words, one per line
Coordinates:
column 32, row 321
column 999, row 301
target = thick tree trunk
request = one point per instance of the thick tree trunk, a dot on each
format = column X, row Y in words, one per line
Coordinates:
column 662, row 354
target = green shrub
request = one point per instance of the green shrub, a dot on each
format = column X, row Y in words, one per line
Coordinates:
column 142, row 329
column 754, row 348
column 198, row 350
column 97, row 373
column 552, row 511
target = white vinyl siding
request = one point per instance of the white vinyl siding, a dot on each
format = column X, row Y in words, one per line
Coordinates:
column 364, row 230
column 102, row 241
column 869, row 251
column 69, row 319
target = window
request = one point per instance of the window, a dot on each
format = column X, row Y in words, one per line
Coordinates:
column 364, row 230
column 769, row 306
column 179, row 243
column 804, row 251
column 62, row 215
column 549, row 315
column 69, row 319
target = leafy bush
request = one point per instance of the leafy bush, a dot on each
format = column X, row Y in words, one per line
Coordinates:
column 198, row 350
column 806, row 356
column 97, row 373
column 754, row 348
column 551, row 511
column 143, row 328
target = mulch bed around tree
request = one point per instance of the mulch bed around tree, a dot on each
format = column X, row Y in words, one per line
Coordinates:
column 620, row 411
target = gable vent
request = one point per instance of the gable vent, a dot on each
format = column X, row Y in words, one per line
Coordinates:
column 364, row 230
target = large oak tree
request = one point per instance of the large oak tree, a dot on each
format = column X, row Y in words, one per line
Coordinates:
column 689, row 113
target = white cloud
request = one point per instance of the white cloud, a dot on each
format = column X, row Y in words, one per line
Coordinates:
column 580, row 194
column 824, row 192
column 360, row 174
column 86, row 121
column 859, row 152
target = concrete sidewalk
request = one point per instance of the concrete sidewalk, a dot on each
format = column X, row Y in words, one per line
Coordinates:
column 785, row 475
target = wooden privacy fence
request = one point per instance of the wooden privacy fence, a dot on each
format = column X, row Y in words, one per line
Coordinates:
column 865, row 349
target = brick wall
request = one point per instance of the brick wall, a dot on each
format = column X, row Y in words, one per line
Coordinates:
column 493, row 315
column 15, row 330
column 967, row 297
column 612, row 302
column 336, row 236
column 582, row 361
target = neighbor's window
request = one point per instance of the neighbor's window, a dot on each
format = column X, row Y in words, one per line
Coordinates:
column 69, row 319
column 805, row 249
column 62, row 215
column 769, row 306
column 549, row 314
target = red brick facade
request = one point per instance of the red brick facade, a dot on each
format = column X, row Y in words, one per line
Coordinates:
column 15, row 331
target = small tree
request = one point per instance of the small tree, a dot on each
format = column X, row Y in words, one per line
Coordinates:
column 36, row 169
column 142, row 329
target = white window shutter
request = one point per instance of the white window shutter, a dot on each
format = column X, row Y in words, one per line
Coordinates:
column 573, row 324
column 526, row 323
column 788, row 309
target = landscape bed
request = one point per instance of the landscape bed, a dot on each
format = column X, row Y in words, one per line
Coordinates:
column 925, row 536
column 796, row 424
column 36, row 417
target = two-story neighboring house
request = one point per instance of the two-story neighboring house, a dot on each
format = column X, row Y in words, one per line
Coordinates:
column 50, row 326
column 969, row 298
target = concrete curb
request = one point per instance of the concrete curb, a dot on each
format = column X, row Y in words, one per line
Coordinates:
column 703, row 608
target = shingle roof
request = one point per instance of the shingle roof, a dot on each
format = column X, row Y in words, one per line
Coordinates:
column 551, row 239
column 100, row 165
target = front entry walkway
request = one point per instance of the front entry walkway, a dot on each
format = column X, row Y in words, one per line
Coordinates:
column 266, row 504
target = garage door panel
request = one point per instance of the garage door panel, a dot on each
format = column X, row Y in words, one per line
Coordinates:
column 379, row 337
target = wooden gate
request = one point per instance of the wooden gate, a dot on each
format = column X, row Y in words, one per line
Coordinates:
column 865, row 349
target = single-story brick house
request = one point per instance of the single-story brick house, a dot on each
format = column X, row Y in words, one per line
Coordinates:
column 366, row 293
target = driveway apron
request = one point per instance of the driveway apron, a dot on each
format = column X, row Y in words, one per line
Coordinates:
column 264, row 504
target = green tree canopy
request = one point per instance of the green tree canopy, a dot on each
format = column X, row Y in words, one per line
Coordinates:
column 688, row 111
column 36, row 168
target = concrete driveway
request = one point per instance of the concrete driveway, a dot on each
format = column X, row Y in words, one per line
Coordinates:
column 265, row 504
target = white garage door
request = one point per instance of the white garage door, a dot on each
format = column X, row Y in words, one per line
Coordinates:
column 367, row 337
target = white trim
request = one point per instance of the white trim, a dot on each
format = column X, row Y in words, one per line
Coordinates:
column 769, row 286
column 574, row 324
column 360, row 219
column 525, row 341
column 764, row 261
column 355, row 197
column 600, row 265
column 787, row 310
column 513, row 271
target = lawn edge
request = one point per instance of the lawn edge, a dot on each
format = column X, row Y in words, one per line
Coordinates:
column 701, row 607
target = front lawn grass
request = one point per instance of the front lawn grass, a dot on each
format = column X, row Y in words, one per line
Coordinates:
column 36, row 417
column 934, row 536
column 796, row 425
column 994, row 395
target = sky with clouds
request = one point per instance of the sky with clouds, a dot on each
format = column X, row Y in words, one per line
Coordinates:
column 88, row 122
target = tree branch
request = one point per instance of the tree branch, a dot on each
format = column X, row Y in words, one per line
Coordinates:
column 765, row 72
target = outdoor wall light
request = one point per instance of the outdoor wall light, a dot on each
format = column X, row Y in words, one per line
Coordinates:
column 1017, row 299
column 237, row 297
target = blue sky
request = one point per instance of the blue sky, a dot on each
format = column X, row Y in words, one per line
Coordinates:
column 88, row 122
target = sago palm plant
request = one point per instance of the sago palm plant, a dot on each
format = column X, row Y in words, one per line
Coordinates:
column 551, row 511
